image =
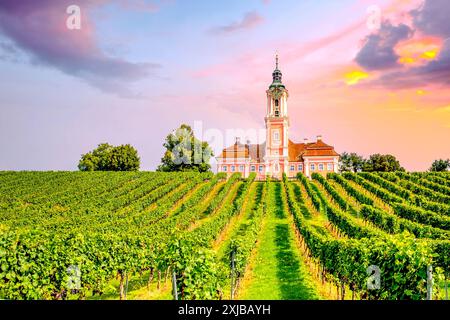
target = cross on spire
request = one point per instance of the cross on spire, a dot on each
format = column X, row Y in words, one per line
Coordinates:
column 276, row 60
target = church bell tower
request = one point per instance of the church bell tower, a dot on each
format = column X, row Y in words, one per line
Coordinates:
column 277, row 126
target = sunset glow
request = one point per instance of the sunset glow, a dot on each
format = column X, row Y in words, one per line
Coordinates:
column 138, row 69
column 418, row 51
column 355, row 77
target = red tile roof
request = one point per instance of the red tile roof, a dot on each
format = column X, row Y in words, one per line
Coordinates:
column 237, row 150
column 313, row 149
column 296, row 151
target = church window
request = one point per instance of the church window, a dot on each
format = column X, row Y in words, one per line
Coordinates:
column 313, row 167
column 330, row 167
column 260, row 168
column 224, row 168
column 292, row 167
column 320, row 166
column 277, row 108
column 233, row 168
column 241, row 168
column 300, row 167
column 253, row 168
column 276, row 136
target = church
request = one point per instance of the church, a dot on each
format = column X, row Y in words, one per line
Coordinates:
column 278, row 154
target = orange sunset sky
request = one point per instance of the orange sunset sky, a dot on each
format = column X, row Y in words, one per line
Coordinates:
column 139, row 69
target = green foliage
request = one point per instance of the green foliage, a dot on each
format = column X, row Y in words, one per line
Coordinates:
column 195, row 270
column 394, row 224
column 351, row 162
column 402, row 260
column 350, row 189
column 184, row 152
column 109, row 158
column 315, row 199
column 391, row 186
column 338, row 216
column 121, row 224
column 422, row 216
column 382, row 163
column 243, row 244
column 424, row 187
column 100, row 244
column 375, row 189
column 440, row 165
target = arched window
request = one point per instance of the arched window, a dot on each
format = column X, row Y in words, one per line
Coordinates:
column 276, row 136
column 277, row 108
column 277, row 103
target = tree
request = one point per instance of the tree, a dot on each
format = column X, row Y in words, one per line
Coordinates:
column 440, row 165
column 382, row 163
column 351, row 162
column 109, row 158
column 184, row 152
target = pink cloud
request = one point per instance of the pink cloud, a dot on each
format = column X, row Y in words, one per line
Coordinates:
column 39, row 29
column 249, row 21
column 379, row 51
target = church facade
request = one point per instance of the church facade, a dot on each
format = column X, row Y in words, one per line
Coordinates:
column 278, row 154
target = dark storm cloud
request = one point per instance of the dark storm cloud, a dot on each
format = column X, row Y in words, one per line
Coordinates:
column 435, row 72
column 432, row 18
column 378, row 51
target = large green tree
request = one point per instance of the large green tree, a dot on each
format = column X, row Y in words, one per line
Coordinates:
column 109, row 158
column 382, row 163
column 440, row 165
column 351, row 162
column 184, row 152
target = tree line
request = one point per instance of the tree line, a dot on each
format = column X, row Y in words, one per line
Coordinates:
column 353, row 162
column 184, row 152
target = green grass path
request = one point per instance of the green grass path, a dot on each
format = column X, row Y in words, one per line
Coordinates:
column 278, row 269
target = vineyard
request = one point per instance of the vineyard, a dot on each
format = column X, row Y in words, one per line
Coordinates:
column 139, row 235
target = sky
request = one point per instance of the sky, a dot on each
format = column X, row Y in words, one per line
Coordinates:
column 369, row 76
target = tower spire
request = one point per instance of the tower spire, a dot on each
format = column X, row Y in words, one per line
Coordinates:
column 276, row 74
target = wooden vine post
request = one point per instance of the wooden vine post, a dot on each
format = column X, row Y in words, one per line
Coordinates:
column 430, row 283
column 174, row 286
column 233, row 256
